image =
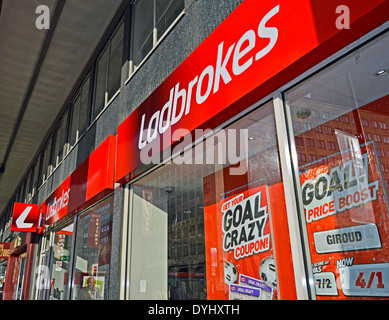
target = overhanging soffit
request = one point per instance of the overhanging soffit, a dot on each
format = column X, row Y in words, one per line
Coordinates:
column 38, row 69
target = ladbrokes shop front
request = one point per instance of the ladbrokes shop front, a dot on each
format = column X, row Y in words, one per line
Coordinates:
column 257, row 169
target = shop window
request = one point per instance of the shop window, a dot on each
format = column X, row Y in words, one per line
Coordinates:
column 344, row 194
column 60, row 269
column 151, row 20
column 108, row 71
column 186, row 247
column 93, row 253
column 79, row 116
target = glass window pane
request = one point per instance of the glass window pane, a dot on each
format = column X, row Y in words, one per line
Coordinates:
column 201, row 225
column 57, row 152
column 28, row 186
column 35, row 176
column 49, row 157
column 46, row 160
column 60, row 269
column 60, row 139
column 343, row 188
column 115, row 62
column 83, row 119
column 167, row 12
column 93, row 253
column 101, row 83
column 74, row 123
column 142, row 31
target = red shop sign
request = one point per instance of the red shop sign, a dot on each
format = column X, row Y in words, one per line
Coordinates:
column 25, row 217
column 56, row 206
column 258, row 48
column 94, row 177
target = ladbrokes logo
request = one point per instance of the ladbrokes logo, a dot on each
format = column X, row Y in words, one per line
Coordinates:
column 231, row 147
column 239, row 57
column 57, row 205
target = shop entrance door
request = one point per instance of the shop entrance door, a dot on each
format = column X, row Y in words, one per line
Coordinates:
column 43, row 281
column 20, row 280
column 18, row 277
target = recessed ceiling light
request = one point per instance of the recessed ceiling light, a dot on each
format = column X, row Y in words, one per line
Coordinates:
column 381, row 73
column 251, row 138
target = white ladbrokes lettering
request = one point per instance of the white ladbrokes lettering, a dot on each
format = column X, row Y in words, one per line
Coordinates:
column 201, row 86
column 57, row 204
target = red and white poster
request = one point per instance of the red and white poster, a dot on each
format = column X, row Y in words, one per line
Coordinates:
column 239, row 253
column 346, row 213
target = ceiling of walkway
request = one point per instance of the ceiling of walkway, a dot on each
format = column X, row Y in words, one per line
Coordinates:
column 38, row 69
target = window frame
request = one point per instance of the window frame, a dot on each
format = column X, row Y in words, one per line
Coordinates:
column 132, row 70
column 106, row 49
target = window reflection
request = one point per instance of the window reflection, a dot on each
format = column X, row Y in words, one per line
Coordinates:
column 180, row 246
column 58, row 288
column 344, row 187
column 93, row 253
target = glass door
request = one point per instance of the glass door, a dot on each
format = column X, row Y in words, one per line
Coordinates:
column 92, row 260
column 21, row 266
column 60, row 263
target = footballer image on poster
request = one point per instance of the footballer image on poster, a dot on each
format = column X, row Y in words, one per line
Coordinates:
column 230, row 273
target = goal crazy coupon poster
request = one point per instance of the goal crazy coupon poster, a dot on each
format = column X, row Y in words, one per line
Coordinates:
column 346, row 214
column 240, row 262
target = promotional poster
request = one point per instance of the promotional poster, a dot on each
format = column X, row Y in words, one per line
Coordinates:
column 346, row 214
column 239, row 248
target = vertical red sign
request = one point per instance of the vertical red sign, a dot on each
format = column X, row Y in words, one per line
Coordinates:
column 25, row 217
